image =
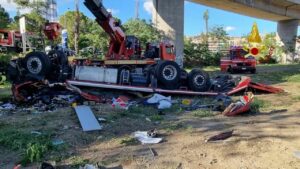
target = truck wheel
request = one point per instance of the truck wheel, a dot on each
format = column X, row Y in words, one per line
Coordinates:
column 168, row 74
column 37, row 63
column 198, row 80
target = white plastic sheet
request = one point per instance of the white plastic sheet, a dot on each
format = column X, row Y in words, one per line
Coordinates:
column 143, row 137
column 162, row 101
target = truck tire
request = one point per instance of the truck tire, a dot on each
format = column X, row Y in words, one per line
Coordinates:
column 198, row 80
column 37, row 63
column 168, row 74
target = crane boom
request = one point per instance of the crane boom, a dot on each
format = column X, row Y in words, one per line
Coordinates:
column 117, row 36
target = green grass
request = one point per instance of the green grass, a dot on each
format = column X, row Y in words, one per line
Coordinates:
column 31, row 147
column 5, row 92
column 172, row 126
column 202, row 113
column 257, row 105
column 77, row 161
column 129, row 141
column 296, row 98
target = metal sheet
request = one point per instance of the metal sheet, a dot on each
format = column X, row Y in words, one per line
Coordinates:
column 87, row 118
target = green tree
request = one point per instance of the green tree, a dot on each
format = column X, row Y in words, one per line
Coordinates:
column 35, row 6
column 68, row 21
column 4, row 18
column 198, row 54
column 142, row 30
column 35, row 20
column 218, row 34
column 94, row 36
column 270, row 42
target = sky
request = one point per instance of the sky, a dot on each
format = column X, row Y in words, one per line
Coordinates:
column 234, row 24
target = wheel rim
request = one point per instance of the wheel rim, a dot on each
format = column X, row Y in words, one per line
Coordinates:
column 169, row 72
column 34, row 65
column 199, row 80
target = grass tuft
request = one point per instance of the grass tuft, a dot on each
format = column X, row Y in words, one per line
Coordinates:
column 129, row 141
column 202, row 113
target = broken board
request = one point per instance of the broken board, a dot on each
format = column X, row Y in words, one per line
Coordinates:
column 87, row 118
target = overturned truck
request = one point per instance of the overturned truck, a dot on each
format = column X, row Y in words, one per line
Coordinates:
column 125, row 67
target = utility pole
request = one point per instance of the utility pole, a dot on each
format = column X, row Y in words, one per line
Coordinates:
column 77, row 25
column 137, row 6
column 206, row 17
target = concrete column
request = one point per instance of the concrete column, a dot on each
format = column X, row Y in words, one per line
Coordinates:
column 168, row 16
column 286, row 33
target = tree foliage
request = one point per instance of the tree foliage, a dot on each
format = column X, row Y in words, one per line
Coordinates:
column 35, row 6
column 68, row 21
column 270, row 42
column 218, row 33
column 142, row 30
column 4, row 18
column 197, row 54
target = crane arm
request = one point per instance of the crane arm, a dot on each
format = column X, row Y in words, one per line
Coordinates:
column 106, row 21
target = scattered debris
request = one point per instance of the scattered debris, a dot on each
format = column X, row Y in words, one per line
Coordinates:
column 186, row 102
column 120, row 103
column 221, row 136
column 162, row 101
column 241, row 106
column 144, row 138
column 221, row 102
column 7, row 106
column 88, row 166
column 100, row 119
column 87, row 119
column 57, row 142
column 36, row 132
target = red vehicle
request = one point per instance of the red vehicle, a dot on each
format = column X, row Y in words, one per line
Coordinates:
column 125, row 62
column 10, row 40
column 237, row 62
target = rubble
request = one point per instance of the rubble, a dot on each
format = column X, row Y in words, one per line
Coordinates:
column 220, row 136
column 161, row 101
column 145, row 138
column 241, row 106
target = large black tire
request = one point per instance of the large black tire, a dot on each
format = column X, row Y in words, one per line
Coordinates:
column 198, row 80
column 37, row 63
column 168, row 74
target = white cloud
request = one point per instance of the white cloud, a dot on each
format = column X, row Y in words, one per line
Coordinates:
column 113, row 11
column 10, row 6
column 148, row 6
column 229, row 28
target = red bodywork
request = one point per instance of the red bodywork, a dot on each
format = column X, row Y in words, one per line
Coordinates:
column 122, row 47
column 9, row 38
column 236, row 61
column 52, row 30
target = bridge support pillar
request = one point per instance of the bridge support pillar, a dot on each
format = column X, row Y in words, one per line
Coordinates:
column 168, row 16
column 286, row 33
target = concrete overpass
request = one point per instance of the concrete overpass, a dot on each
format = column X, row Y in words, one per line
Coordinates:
column 168, row 15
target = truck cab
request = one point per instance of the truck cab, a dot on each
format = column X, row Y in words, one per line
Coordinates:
column 236, row 61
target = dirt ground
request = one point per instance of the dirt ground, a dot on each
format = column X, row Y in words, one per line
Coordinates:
column 265, row 139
